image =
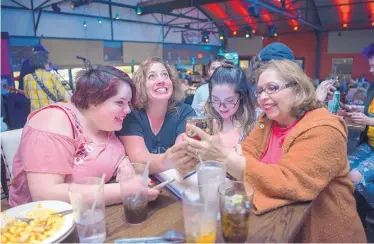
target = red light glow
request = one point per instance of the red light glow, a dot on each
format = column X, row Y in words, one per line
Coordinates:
column 345, row 10
column 220, row 13
column 242, row 11
column 288, row 4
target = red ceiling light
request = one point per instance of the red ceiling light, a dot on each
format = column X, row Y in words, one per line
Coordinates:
column 288, row 4
column 295, row 28
column 216, row 9
column 266, row 16
column 345, row 11
column 242, row 11
column 370, row 7
column 345, row 25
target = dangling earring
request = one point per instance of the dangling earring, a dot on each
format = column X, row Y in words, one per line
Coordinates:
column 298, row 96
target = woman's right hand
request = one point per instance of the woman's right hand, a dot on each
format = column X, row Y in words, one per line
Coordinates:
column 137, row 184
column 177, row 157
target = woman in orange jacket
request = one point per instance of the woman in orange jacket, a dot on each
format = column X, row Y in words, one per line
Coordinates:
column 296, row 152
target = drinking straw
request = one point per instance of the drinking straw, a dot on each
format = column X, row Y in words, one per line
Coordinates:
column 145, row 177
column 95, row 201
column 97, row 193
column 146, row 169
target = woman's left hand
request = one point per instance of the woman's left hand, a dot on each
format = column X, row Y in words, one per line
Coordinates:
column 209, row 147
column 325, row 90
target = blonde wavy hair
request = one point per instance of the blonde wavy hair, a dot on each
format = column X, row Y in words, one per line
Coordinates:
column 140, row 79
column 290, row 72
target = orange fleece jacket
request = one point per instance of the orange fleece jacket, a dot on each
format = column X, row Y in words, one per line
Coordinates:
column 313, row 167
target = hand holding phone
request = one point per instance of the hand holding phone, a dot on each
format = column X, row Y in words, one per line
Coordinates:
column 343, row 106
column 204, row 123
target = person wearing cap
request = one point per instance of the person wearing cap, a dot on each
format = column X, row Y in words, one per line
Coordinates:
column 26, row 68
column 280, row 51
column 41, row 86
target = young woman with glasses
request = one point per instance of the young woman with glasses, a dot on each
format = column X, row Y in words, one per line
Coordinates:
column 231, row 103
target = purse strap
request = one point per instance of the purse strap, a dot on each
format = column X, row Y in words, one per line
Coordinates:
column 44, row 88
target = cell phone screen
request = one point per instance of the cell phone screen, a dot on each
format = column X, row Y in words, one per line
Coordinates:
column 204, row 123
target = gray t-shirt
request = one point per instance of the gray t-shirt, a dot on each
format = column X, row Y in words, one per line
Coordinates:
column 137, row 124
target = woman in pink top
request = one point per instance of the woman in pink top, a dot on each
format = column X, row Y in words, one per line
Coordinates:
column 64, row 142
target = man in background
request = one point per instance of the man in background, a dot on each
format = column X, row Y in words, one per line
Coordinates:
column 26, row 68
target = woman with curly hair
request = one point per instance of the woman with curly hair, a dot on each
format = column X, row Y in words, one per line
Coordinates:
column 153, row 131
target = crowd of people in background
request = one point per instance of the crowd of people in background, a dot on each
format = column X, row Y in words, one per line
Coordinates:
column 271, row 130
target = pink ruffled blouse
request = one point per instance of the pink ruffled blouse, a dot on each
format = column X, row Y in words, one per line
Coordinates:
column 47, row 152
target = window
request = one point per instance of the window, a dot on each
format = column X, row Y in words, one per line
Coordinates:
column 342, row 66
column 113, row 52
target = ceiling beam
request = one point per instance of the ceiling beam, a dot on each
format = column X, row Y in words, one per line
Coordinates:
column 317, row 12
column 13, row 7
column 123, row 20
column 170, row 14
column 19, row 4
column 206, row 14
column 336, row 5
column 278, row 10
column 41, row 5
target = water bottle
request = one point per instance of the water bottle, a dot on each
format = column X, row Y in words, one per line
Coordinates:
column 335, row 102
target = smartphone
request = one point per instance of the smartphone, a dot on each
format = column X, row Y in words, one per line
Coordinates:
column 204, row 123
column 345, row 107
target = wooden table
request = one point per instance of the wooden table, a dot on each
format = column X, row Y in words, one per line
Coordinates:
column 165, row 214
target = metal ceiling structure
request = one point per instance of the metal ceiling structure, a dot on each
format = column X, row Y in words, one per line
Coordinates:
column 289, row 16
column 157, row 7
column 235, row 17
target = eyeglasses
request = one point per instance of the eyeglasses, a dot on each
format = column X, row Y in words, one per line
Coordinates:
column 271, row 89
column 229, row 105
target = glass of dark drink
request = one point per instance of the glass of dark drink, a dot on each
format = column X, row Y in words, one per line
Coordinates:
column 135, row 202
column 235, row 206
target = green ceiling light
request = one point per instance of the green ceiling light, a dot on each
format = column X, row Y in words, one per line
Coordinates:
column 138, row 10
